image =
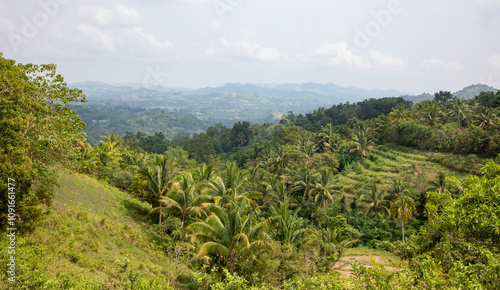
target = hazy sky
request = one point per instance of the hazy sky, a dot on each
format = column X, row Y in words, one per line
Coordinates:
column 413, row 46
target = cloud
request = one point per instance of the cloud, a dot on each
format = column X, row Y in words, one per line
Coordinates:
column 338, row 54
column 98, row 36
column 488, row 3
column 437, row 64
column 197, row 2
column 245, row 48
column 151, row 40
column 6, row 25
column 494, row 61
column 119, row 15
column 384, row 61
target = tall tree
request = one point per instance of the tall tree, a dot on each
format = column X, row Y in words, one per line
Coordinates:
column 184, row 198
column 37, row 130
column 227, row 233
column 157, row 178
column 375, row 199
column 325, row 187
column 362, row 141
column 402, row 209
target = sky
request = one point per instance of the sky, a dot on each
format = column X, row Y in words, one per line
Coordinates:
column 408, row 45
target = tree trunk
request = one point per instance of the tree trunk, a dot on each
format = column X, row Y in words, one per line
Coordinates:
column 159, row 219
column 403, row 229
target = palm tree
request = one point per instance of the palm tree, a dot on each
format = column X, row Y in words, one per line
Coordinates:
column 400, row 113
column 183, row 197
column 375, row 198
column 279, row 160
column 429, row 112
column 228, row 187
column 205, row 172
column 305, row 181
column 227, row 233
column 362, row 141
column 485, row 118
column 402, row 208
column 337, row 243
column 439, row 184
column 288, row 224
column 325, row 186
column 157, row 178
column 460, row 109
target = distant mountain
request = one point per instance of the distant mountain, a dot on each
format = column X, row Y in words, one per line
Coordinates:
column 473, row 90
column 465, row 93
column 313, row 91
column 235, row 102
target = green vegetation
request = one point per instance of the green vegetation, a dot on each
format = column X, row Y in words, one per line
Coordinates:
column 380, row 194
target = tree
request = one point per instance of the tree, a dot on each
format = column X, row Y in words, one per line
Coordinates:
column 362, row 141
column 443, row 97
column 460, row 109
column 429, row 112
column 228, row 234
column 184, row 198
column 325, row 186
column 37, row 130
column 157, row 178
column 375, row 198
column 288, row 224
column 400, row 113
column 402, row 208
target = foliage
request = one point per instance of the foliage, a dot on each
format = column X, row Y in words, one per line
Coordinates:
column 37, row 131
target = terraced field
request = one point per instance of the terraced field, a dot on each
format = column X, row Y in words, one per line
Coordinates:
column 391, row 162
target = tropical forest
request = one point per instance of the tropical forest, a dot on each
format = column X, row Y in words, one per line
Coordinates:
column 381, row 193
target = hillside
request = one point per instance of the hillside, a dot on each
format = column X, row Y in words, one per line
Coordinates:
column 101, row 120
column 93, row 236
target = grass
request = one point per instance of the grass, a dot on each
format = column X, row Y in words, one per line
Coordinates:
column 365, row 257
column 395, row 162
column 93, row 236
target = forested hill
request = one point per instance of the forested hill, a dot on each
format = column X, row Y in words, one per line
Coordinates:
column 102, row 120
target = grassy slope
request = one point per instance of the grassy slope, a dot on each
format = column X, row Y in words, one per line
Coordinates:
column 395, row 162
column 92, row 230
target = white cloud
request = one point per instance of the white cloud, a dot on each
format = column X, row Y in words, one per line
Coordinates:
column 384, row 61
column 338, row 54
column 98, row 36
column 494, row 61
column 245, row 48
column 6, row 25
column 151, row 40
column 437, row 64
column 118, row 15
column 197, row 1
column 488, row 3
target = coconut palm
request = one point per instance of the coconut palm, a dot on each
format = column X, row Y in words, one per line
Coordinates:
column 279, row 160
column 304, row 181
column 460, row 109
column 226, row 233
column 400, row 113
column 336, row 243
column 402, row 208
column 228, row 187
column 205, row 172
column 184, row 198
column 157, row 178
column 362, row 141
column 439, row 184
column 429, row 112
column 375, row 199
column 485, row 118
column 288, row 224
column 325, row 186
